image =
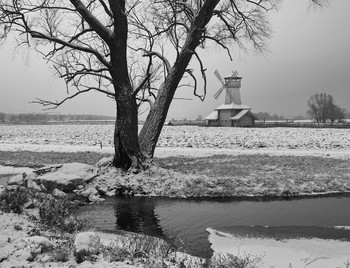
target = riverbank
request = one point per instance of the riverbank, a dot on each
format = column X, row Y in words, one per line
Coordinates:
column 24, row 242
column 194, row 173
column 198, row 173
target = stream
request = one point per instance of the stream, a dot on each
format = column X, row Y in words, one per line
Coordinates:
column 189, row 219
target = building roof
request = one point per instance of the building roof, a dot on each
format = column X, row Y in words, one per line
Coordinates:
column 233, row 106
column 241, row 114
column 213, row 116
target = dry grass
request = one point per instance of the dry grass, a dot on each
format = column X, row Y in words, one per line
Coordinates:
column 219, row 175
column 263, row 174
column 40, row 159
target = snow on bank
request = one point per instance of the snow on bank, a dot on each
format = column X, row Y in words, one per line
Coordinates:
column 317, row 253
column 53, row 148
column 162, row 152
column 4, row 170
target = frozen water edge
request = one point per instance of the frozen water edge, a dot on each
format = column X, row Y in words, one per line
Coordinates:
column 162, row 152
column 317, row 253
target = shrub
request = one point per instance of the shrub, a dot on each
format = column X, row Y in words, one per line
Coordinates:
column 13, row 201
column 60, row 214
column 229, row 260
column 63, row 252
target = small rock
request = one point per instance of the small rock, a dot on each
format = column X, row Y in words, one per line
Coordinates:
column 29, row 176
column 102, row 190
column 43, row 258
column 35, row 249
column 17, row 227
column 44, row 242
column 110, row 193
column 58, row 193
column 2, row 189
column 87, row 192
column 80, row 187
column 86, row 243
column 17, row 180
column 95, row 198
column 33, row 185
column 79, row 203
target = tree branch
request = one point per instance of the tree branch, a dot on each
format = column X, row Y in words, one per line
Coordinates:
column 94, row 23
column 38, row 35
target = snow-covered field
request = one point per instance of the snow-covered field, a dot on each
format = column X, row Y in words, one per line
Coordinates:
column 88, row 137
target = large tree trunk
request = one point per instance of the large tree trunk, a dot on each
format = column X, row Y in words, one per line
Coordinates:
column 152, row 128
column 126, row 145
column 155, row 120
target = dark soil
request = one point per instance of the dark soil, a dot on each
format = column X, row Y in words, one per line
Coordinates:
column 40, row 159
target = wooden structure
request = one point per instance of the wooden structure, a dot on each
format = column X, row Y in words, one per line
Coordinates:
column 233, row 113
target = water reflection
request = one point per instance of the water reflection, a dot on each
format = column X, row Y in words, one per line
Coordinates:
column 137, row 215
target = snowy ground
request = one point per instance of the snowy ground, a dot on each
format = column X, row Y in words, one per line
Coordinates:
column 295, row 253
column 182, row 140
column 196, row 142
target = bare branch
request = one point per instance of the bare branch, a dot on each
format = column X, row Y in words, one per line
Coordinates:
column 158, row 55
column 71, row 45
column 54, row 104
column 94, row 23
column 219, row 43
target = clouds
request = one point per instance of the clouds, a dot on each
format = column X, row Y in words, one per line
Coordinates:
column 308, row 53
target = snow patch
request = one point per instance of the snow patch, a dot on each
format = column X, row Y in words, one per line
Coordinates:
column 294, row 253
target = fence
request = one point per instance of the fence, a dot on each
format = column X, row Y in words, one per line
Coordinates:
column 186, row 123
column 301, row 124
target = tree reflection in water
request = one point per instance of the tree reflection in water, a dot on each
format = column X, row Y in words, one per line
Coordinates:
column 136, row 214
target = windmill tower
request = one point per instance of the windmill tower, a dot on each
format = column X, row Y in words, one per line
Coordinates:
column 232, row 113
column 232, row 84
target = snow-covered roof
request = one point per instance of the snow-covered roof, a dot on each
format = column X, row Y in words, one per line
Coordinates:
column 213, row 116
column 233, row 106
column 241, row 114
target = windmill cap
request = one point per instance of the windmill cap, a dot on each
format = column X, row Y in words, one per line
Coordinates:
column 233, row 77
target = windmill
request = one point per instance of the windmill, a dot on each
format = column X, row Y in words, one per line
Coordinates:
column 232, row 85
column 232, row 113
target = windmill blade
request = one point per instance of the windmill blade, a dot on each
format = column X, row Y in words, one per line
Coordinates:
column 235, row 74
column 219, row 76
column 218, row 93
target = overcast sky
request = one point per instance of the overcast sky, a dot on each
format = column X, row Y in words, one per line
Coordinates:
column 309, row 52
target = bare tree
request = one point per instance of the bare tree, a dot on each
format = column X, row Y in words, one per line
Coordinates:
column 337, row 113
column 2, row 117
column 134, row 52
column 322, row 107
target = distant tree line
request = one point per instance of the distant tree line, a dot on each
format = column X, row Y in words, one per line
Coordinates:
column 44, row 118
column 267, row 116
column 322, row 108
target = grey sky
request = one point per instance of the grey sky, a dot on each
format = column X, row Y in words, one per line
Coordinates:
column 309, row 52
